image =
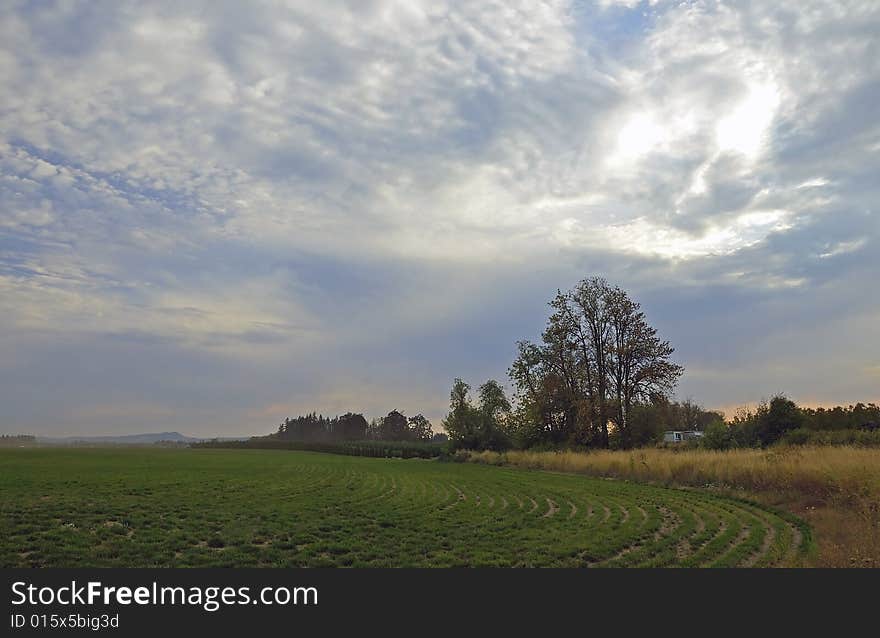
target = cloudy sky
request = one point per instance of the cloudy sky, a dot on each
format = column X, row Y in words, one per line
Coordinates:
column 217, row 214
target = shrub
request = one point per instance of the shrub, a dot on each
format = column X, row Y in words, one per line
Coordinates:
column 860, row 438
column 717, row 436
column 798, row 436
column 781, row 416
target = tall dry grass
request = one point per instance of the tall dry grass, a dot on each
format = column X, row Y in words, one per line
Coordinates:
column 825, row 472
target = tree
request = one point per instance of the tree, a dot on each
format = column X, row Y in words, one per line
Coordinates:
column 493, row 402
column 598, row 359
column 768, row 423
column 420, row 428
column 777, row 418
column 394, row 427
column 482, row 427
column 351, row 427
column 461, row 423
column 494, row 411
column 374, row 429
column 718, row 436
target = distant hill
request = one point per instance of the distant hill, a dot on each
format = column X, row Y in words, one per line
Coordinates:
column 134, row 439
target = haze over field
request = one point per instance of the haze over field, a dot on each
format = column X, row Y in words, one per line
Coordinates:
column 214, row 215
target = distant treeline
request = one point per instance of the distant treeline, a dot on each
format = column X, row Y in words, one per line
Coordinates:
column 491, row 424
column 386, row 449
column 600, row 377
column 395, row 426
column 394, row 435
column 16, row 439
column 781, row 420
column 858, row 416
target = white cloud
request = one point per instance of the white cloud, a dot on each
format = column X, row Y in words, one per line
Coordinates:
column 223, row 175
column 844, row 247
column 646, row 238
column 745, row 129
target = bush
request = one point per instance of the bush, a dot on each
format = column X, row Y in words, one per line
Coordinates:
column 717, row 436
column 769, row 423
column 799, row 436
column 781, row 416
column 860, row 438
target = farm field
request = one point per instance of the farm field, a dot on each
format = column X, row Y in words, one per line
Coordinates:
column 834, row 489
column 165, row 507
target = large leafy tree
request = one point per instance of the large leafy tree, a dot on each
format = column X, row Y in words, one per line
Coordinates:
column 351, row 427
column 777, row 418
column 420, row 428
column 597, row 359
column 394, row 427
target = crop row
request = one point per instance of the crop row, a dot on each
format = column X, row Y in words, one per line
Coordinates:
column 261, row 508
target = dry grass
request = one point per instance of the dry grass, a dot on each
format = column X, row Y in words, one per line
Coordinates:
column 836, row 489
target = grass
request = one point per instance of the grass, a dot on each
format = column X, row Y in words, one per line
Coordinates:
column 179, row 507
column 836, row 489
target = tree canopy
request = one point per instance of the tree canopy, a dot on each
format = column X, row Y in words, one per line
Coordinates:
column 478, row 427
column 395, row 426
column 598, row 359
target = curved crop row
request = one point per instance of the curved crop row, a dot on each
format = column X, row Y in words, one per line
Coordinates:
column 264, row 508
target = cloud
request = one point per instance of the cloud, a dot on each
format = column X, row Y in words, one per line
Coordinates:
column 365, row 199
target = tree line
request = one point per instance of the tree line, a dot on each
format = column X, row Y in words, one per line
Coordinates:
column 395, row 426
column 781, row 420
column 16, row 439
column 599, row 377
column 602, row 377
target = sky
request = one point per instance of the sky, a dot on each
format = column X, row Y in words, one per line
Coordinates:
column 215, row 214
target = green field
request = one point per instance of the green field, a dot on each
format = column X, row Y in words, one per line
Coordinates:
column 166, row 507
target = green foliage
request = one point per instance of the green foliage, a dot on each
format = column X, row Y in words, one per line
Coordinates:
column 781, row 421
column 478, row 427
column 717, row 436
column 779, row 417
column 316, row 428
column 524, row 429
column 493, row 402
column 350, row 427
column 860, row 416
column 857, row 437
column 648, row 422
column 419, row 428
column 767, row 424
column 598, row 360
column 394, row 427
